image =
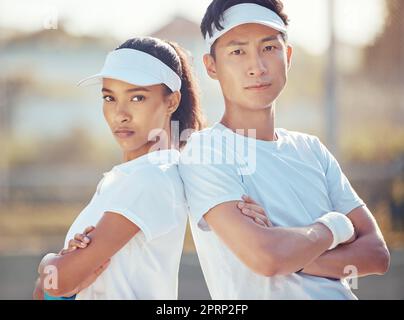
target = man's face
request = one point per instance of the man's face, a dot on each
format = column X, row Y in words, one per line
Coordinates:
column 251, row 64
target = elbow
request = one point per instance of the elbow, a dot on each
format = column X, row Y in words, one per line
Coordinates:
column 268, row 270
column 383, row 260
column 378, row 257
column 271, row 272
column 267, row 264
column 54, row 283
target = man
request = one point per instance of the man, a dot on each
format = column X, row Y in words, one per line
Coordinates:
column 318, row 226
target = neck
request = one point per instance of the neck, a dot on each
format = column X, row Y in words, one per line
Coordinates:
column 134, row 154
column 263, row 121
column 163, row 143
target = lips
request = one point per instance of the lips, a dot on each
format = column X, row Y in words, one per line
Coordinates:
column 259, row 86
column 124, row 133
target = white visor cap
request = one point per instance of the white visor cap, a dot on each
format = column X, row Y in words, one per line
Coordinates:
column 137, row 68
column 246, row 13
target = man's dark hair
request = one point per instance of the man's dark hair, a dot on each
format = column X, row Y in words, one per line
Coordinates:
column 214, row 14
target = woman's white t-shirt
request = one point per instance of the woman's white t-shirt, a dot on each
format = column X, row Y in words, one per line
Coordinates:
column 149, row 192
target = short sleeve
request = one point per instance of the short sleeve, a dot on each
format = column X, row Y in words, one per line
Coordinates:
column 343, row 197
column 146, row 197
column 208, row 183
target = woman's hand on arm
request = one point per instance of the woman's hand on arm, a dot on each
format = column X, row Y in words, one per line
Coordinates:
column 80, row 241
column 75, row 267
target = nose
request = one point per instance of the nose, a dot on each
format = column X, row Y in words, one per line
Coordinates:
column 122, row 114
column 257, row 66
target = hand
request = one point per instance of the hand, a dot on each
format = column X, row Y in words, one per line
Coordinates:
column 253, row 210
column 81, row 241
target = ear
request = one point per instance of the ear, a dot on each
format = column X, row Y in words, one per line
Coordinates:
column 289, row 53
column 210, row 65
column 173, row 102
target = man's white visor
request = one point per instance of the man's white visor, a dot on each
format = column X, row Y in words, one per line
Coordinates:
column 246, row 13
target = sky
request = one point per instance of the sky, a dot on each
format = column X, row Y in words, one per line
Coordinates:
column 357, row 22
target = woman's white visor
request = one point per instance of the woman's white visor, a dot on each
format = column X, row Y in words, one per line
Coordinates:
column 137, row 68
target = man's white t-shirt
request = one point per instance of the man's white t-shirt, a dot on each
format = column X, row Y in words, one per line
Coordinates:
column 295, row 179
column 149, row 192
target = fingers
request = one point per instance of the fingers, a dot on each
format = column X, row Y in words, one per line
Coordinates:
column 65, row 251
column 253, row 207
column 82, row 238
column 88, row 230
column 73, row 243
column 248, row 199
column 258, row 218
column 260, row 222
column 256, row 213
column 81, row 241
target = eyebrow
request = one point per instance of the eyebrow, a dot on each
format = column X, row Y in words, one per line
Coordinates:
column 129, row 90
column 241, row 43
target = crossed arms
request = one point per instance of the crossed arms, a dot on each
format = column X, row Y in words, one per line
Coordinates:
column 268, row 251
column 281, row 251
column 112, row 232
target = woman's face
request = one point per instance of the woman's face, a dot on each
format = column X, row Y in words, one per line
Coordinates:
column 137, row 115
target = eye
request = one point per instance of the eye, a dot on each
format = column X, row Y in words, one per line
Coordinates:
column 269, row 48
column 138, row 98
column 108, row 98
column 236, row 52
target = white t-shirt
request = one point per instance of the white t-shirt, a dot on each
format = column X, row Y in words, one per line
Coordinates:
column 295, row 179
column 149, row 192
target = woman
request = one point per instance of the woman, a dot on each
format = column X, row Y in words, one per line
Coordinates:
column 139, row 207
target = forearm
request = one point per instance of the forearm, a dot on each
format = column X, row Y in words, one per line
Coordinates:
column 366, row 256
column 292, row 249
column 67, row 272
column 113, row 231
column 268, row 251
column 39, row 293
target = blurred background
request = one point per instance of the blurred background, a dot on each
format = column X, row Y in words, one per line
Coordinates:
column 346, row 85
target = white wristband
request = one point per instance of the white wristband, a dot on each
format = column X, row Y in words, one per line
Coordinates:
column 340, row 226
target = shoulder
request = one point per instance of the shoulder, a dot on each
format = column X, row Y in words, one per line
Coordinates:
column 150, row 178
column 203, row 145
column 308, row 143
column 198, row 137
column 302, row 141
column 299, row 137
